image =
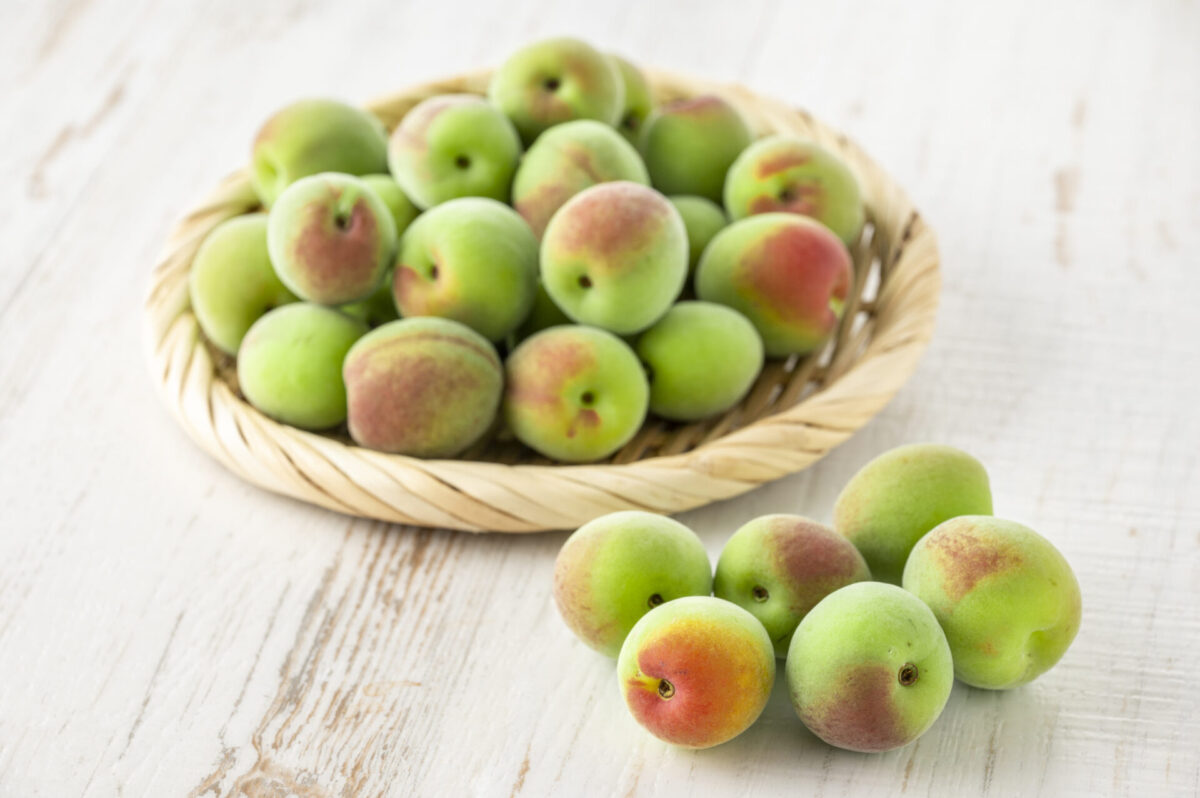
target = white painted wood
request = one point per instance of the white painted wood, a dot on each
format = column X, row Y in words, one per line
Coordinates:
column 168, row 630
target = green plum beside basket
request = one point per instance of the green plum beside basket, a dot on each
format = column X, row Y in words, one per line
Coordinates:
column 797, row 411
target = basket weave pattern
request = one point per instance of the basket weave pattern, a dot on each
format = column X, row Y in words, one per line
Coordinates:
column 797, row 411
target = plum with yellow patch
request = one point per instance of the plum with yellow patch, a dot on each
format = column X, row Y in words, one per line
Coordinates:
column 567, row 159
column 289, row 365
column 788, row 274
column 554, row 81
column 1006, row 598
column 231, row 283
column 425, row 387
column 313, row 136
column 690, row 144
column 696, row 672
column 791, row 175
column 575, row 393
column 615, row 569
column 903, row 493
column 615, row 256
column 473, row 260
column 778, row 567
column 331, row 239
column 451, row 146
column 869, row 668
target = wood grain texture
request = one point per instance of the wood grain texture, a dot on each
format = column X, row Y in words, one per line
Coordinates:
column 166, row 629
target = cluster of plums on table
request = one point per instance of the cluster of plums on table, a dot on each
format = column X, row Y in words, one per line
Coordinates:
column 560, row 254
column 869, row 664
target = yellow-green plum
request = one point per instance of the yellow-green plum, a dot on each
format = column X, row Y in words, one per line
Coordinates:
column 638, row 102
column 615, row 569
column 778, row 567
column 615, row 256
column 869, row 668
column 290, row 364
column 454, row 145
column 900, row 495
column 313, row 136
column 401, row 207
column 690, row 144
column 331, row 238
column 703, row 219
column 575, row 393
column 543, row 315
column 1005, row 596
column 696, row 672
column 424, row 387
column 788, row 274
column 555, row 81
column 473, row 260
column 567, row 159
column 231, row 282
column 701, row 359
column 788, row 174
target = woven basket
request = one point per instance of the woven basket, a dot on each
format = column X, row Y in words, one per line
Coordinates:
column 797, row 411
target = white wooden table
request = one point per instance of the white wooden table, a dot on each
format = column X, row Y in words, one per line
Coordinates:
column 168, row 630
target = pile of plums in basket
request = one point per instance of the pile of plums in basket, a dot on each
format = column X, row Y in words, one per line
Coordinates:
column 558, row 259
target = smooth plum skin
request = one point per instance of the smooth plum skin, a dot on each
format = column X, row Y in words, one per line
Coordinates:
column 231, row 283
column 786, row 273
column 615, row 256
column 555, row 81
column 451, row 146
column 575, row 393
column 1006, row 598
column 703, row 219
column 702, row 359
column 567, row 159
column 638, row 101
column 903, row 493
column 788, row 174
column 425, row 387
column 615, row 569
column 869, row 668
column 290, row 364
column 401, row 207
column 473, row 260
column 331, row 239
column 690, row 144
column 696, row 672
column 778, row 567
column 379, row 308
column 313, row 136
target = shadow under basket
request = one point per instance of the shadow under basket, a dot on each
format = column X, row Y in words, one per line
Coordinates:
column 797, row 411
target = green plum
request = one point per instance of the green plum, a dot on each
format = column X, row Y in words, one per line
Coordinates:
column 778, row 567
column 575, row 393
column 313, row 136
column 900, row 495
column 290, row 364
column 701, row 358
column 615, row 569
column 231, row 282
column 869, row 668
column 615, row 256
column 451, row 146
column 1006, row 598
column 473, row 260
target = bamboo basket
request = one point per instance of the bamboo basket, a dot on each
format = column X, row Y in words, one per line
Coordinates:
column 797, row 411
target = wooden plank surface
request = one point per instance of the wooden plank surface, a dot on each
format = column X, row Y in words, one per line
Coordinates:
column 167, row 630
